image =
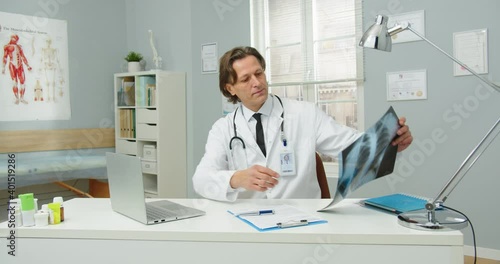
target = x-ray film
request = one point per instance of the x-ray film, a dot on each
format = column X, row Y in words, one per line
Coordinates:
column 368, row 158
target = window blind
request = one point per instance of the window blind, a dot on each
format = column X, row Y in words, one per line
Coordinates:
column 308, row 41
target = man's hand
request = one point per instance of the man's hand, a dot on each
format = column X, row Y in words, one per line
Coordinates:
column 255, row 178
column 404, row 138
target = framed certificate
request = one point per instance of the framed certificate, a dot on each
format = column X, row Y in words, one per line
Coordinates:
column 407, row 85
column 471, row 48
column 209, row 58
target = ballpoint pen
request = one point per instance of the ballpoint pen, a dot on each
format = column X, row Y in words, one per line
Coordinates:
column 293, row 223
column 256, row 212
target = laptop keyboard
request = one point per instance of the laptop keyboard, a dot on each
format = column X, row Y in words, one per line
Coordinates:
column 164, row 210
column 155, row 213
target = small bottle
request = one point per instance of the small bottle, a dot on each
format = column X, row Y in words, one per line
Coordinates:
column 18, row 218
column 27, row 209
column 15, row 204
column 41, row 218
column 59, row 200
column 45, row 208
column 56, row 210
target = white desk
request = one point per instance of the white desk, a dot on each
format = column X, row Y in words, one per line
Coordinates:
column 93, row 233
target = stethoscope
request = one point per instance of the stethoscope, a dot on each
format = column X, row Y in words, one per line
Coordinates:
column 235, row 137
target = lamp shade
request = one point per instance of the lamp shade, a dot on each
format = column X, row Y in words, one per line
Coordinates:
column 377, row 36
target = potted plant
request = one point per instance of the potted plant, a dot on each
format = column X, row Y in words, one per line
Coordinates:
column 134, row 59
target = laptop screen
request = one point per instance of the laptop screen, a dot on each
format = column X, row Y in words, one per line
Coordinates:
column 126, row 185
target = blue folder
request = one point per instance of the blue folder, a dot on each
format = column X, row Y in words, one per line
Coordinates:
column 397, row 203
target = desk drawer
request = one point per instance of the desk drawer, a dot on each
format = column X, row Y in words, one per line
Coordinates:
column 146, row 115
column 147, row 131
column 126, row 147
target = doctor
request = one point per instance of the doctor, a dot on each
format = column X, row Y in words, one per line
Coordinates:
column 235, row 165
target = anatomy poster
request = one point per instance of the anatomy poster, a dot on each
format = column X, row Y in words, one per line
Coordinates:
column 34, row 74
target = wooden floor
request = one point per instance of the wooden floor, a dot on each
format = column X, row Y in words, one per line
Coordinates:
column 470, row 260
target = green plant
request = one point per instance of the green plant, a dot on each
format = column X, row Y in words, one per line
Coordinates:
column 133, row 56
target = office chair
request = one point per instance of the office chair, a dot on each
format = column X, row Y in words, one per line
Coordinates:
column 321, row 175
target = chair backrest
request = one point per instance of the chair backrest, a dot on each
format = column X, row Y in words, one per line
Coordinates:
column 321, row 174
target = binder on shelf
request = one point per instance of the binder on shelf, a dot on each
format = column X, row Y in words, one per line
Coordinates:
column 132, row 124
column 397, row 203
column 126, row 122
column 121, row 118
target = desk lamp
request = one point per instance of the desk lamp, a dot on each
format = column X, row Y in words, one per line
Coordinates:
column 435, row 216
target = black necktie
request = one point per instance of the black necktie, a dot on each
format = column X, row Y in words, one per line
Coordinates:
column 260, row 133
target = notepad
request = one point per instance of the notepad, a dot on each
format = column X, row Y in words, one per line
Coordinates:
column 284, row 214
column 397, row 203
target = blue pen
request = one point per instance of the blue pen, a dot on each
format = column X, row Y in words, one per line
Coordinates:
column 257, row 212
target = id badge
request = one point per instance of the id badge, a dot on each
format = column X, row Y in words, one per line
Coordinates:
column 287, row 159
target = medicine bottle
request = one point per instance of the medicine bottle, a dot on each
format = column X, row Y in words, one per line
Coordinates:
column 59, row 200
column 56, row 210
column 45, row 208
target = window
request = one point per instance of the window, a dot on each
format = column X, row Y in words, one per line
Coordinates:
column 311, row 52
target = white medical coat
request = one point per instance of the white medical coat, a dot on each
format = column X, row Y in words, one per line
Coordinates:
column 307, row 129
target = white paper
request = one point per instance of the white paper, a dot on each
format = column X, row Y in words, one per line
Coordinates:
column 471, row 48
column 282, row 214
column 209, row 58
column 407, row 85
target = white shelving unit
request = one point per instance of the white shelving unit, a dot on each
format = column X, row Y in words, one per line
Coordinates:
column 150, row 122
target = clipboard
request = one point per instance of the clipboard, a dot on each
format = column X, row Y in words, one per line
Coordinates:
column 284, row 216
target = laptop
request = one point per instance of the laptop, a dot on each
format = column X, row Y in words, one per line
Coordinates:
column 126, row 189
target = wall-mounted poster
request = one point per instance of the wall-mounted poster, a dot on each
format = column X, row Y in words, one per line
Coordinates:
column 34, row 74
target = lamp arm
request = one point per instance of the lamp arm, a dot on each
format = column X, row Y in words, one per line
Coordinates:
column 466, row 165
column 478, row 150
column 407, row 26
